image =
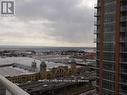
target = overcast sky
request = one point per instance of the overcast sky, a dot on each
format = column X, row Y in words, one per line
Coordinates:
column 49, row 23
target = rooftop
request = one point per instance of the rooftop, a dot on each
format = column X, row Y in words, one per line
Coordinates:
column 28, row 61
column 25, row 61
column 11, row 71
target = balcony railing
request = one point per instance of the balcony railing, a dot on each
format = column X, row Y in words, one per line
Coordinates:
column 97, row 5
column 124, row 8
column 123, row 59
column 96, row 23
column 123, row 19
column 9, row 88
column 96, row 14
column 123, row 29
column 95, row 31
column 124, row 39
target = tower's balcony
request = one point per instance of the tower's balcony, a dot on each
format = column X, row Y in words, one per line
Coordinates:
column 123, row 29
column 96, row 31
column 123, row 8
column 96, row 23
column 95, row 40
column 123, row 39
column 96, row 14
column 96, row 6
column 123, row 19
column 124, row 60
column 9, row 88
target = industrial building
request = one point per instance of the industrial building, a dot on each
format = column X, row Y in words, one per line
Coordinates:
column 22, row 72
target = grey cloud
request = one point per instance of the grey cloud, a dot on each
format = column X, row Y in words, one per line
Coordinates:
column 72, row 32
column 71, row 23
column 55, row 10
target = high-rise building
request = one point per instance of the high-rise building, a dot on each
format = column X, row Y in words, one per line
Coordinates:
column 111, row 31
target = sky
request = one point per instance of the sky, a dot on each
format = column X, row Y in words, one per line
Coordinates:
column 49, row 23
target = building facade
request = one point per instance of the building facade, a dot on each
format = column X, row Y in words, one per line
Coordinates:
column 111, row 31
column 58, row 72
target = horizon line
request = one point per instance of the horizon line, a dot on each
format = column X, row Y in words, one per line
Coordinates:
column 45, row 46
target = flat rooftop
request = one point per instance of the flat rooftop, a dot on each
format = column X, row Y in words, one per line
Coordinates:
column 28, row 61
column 10, row 71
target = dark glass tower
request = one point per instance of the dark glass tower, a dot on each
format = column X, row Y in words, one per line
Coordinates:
column 111, row 31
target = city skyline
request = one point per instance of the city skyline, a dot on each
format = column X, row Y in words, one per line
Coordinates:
column 49, row 23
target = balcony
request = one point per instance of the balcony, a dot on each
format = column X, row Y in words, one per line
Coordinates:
column 96, row 23
column 96, row 14
column 124, row 60
column 123, row 39
column 123, row 29
column 8, row 88
column 123, row 89
column 95, row 31
column 95, row 40
column 96, row 6
column 123, row 49
column 123, row 8
column 123, row 70
column 123, row 19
